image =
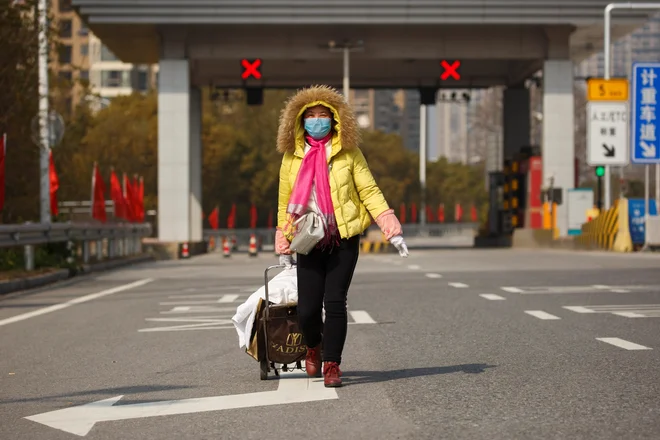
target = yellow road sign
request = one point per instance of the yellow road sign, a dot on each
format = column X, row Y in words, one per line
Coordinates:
column 607, row 90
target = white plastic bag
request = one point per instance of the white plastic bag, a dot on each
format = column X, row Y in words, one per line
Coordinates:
column 282, row 288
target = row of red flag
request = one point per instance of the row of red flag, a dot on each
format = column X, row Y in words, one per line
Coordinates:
column 214, row 217
column 439, row 216
column 128, row 199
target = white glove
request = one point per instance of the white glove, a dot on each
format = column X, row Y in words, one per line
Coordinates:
column 287, row 260
column 400, row 245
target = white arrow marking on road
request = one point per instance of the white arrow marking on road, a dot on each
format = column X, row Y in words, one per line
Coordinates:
column 647, row 150
column 79, row 420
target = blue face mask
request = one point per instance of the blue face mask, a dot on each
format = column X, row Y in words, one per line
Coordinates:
column 317, row 128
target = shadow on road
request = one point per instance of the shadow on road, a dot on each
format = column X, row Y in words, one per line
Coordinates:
column 363, row 377
column 101, row 393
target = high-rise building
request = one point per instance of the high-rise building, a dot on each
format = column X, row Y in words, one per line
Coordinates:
column 71, row 61
column 82, row 56
column 110, row 77
column 641, row 45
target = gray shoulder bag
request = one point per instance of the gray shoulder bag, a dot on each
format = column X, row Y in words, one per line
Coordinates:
column 309, row 231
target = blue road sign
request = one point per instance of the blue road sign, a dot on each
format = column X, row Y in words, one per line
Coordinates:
column 637, row 219
column 645, row 84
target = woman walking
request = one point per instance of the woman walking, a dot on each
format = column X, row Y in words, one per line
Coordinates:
column 324, row 171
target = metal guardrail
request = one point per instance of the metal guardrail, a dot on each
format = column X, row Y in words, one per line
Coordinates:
column 105, row 240
column 266, row 236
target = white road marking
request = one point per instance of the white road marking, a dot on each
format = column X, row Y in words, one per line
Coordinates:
column 540, row 314
column 198, row 309
column 79, row 420
column 459, row 285
column 579, row 309
column 627, row 311
column 620, row 291
column 601, row 286
column 75, row 301
column 622, row 343
column 413, row 267
column 492, row 297
column 433, row 275
column 224, row 299
column 512, row 289
column 361, row 317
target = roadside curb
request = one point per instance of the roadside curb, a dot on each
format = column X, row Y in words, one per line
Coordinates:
column 22, row 284
column 12, row 286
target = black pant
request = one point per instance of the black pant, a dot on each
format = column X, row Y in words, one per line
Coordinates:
column 323, row 280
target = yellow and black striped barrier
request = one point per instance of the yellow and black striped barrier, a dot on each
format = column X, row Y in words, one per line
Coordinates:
column 376, row 245
column 601, row 232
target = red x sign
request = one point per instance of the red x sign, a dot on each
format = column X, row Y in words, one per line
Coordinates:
column 251, row 68
column 450, row 70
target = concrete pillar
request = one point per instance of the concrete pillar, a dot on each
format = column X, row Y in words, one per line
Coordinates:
column 195, row 165
column 516, row 120
column 558, row 147
column 174, row 165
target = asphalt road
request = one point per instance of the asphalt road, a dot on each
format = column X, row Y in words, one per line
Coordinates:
column 460, row 344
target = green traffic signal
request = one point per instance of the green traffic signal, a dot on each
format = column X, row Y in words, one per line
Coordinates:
column 600, row 171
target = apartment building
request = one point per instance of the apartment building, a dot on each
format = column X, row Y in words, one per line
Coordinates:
column 71, row 61
column 83, row 56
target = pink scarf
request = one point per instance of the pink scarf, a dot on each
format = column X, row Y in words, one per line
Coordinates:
column 314, row 169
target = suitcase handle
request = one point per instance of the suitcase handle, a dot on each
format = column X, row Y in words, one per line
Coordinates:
column 268, row 269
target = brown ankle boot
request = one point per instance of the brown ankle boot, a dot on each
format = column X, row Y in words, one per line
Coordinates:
column 331, row 374
column 313, row 361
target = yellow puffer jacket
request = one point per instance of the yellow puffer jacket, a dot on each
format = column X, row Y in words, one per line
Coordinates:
column 355, row 195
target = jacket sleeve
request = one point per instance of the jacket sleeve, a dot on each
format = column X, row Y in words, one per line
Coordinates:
column 366, row 186
column 284, row 191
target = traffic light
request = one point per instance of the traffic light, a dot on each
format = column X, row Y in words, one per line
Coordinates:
column 600, row 172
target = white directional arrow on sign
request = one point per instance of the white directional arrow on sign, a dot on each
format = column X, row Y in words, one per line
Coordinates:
column 647, row 150
column 79, row 420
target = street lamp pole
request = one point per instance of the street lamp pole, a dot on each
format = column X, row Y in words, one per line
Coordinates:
column 346, row 47
column 347, row 70
column 44, row 123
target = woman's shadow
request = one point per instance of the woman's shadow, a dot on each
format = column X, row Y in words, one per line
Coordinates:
column 362, row 377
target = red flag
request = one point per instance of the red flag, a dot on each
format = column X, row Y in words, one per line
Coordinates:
column 253, row 217
column 231, row 220
column 473, row 214
column 413, row 213
column 98, row 195
column 402, row 213
column 54, row 184
column 117, row 196
column 136, row 198
column 270, row 219
column 429, row 214
column 3, row 153
column 214, row 218
column 141, row 198
column 441, row 213
column 458, row 212
column 130, row 199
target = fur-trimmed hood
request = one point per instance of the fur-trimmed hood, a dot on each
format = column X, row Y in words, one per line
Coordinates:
column 290, row 134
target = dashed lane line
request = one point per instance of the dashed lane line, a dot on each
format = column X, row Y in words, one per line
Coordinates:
column 413, row 267
column 512, row 289
column 622, row 343
column 492, row 297
column 540, row 314
column 459, row 285
column 433, row 275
